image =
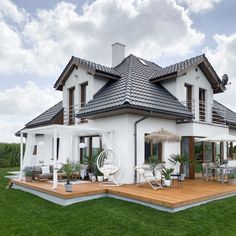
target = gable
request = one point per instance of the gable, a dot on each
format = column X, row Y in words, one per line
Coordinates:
column 90, row 67
column 180, row 68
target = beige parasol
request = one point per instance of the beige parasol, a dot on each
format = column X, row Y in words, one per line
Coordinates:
column 162, row 136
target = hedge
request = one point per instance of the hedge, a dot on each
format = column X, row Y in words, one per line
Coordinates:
column 9, row 154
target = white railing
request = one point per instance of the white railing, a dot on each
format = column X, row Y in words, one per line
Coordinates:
column 70, row 116
column 206, row 112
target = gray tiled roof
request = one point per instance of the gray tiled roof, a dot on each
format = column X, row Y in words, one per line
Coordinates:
column 46, row 117
column 180, row 66
column 134, row 90
column 177, row 67
column 230, row 115
column 96, row 67
column 87, row 65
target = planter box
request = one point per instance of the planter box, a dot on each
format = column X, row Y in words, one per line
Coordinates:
column 232, row 181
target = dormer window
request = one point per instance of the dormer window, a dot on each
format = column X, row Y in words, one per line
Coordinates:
column 83, row 93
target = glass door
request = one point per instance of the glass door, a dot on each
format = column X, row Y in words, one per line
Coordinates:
column 198, row 155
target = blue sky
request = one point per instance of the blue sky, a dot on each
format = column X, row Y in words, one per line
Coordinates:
column 39, row 37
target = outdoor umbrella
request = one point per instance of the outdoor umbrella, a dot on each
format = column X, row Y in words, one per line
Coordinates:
column 162, row 136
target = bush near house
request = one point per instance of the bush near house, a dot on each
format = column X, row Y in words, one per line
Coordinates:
column 9, row 154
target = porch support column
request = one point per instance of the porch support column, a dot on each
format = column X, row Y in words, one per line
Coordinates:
column 54, row 158
column 21, row 156
column 221, row 152
column 231, row 150
column 191, row 157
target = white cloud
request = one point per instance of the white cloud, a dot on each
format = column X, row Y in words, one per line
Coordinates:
column 19, row 105
column 198, row 6
column 28, row 100
column 46, row 42
column 10, row 11
column 8, row 129
column 223, row 59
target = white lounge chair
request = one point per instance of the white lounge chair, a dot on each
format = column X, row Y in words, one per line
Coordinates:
column 148, row 176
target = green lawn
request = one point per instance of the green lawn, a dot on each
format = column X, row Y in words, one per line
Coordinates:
column 24, row 214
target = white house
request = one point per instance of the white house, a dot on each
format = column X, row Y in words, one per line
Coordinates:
column 117, row 106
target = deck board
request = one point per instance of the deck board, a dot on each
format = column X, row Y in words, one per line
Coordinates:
column 192, row 191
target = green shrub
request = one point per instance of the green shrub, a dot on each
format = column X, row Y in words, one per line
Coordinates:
column 9, row 154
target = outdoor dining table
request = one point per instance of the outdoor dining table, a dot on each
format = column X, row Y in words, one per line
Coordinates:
column 223, row 171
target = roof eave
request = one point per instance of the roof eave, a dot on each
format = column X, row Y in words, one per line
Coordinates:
column 164, row 77
column 75, row 64
column 128, row 106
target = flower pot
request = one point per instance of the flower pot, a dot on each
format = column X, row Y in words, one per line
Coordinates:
column 90, row 175
column 93, row 178
column 83, row 171
column 68, row 187
column 100, row 178
column 167, row 182
column 182, row 177
column 28, row 178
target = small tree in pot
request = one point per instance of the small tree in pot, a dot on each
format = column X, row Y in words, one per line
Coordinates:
column 68, row 169
column 28, row 170
column 174, row 158
column 167, row 175
column 91, row 162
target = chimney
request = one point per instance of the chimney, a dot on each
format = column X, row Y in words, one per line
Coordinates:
column 118, row 53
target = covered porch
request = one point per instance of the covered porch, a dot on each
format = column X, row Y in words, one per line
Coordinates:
column 171, row 199
column 53, row 145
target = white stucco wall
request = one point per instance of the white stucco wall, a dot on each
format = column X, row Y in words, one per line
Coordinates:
column 232, row 132
column 200, row 129
column 78, row 77
column 123, row 127
column 198, row 80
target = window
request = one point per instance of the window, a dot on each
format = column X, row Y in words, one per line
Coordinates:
column 93, row 146
column 188, row 96
column 71, row 108
column 35, row 150
column 153, row 149
column 202, row 105
column 83, row 93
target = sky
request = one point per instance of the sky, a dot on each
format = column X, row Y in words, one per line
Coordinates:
column 38, row 38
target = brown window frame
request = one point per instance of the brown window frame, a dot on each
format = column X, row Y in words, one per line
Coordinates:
column 71, row 104
column 202, row 104
column 189, row 96
column 83, row 94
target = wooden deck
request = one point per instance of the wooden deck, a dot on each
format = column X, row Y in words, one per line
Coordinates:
column 192, row 192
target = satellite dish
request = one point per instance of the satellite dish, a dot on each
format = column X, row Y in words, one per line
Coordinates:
column 225, row 79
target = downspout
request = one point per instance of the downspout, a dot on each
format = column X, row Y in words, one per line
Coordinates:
column 135, row 143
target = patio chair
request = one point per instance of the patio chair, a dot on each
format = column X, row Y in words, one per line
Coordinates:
column 149, row 178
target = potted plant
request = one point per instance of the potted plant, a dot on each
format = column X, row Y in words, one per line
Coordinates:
column 91, row 161
column 28, row 170
column 182, row 159
column 232, row 178
column 99, row 175
column 167, row 175
column 68, row 170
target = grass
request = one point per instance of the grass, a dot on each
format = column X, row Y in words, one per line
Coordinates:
column 24, row 214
